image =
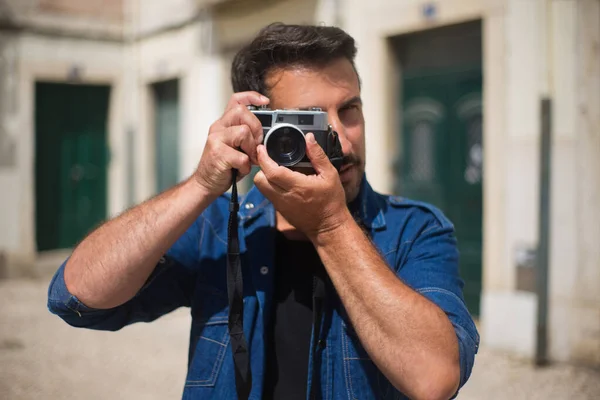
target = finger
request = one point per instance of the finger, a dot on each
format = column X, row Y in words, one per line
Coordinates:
column 240, row 115
column 246, row 99
column 234, row 159
column 240, row 137
column 268, row 189
column 275, row 173
column 317, row 156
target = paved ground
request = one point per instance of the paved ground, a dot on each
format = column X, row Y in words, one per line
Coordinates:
column 43, row 358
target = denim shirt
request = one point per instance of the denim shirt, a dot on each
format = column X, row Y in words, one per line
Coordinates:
column 415, row 239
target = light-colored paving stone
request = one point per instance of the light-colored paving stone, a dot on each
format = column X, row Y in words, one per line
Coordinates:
column 41, row 357
column 497, row 377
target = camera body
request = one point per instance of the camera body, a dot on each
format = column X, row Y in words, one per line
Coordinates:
column 284, row 135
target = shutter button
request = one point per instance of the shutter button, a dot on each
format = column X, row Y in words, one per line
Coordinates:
column 264, row 270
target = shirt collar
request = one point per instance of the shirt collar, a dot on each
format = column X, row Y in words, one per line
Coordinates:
column 367, row 207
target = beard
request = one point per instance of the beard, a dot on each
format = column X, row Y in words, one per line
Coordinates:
column 352, row 185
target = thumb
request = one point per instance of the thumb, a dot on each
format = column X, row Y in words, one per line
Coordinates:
column 316, row 155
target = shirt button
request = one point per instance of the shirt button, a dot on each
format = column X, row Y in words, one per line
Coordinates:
column 249, row 206
column 264, row 270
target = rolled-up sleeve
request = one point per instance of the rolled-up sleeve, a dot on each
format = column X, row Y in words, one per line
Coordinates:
column 430, row 265
column 169, row 287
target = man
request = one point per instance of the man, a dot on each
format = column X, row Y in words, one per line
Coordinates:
column 391, row 321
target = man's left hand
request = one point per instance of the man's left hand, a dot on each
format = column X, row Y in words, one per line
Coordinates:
column 314, row 204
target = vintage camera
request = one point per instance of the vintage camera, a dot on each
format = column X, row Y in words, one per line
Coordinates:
column 284, row 132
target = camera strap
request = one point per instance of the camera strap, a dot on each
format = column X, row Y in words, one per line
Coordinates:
column 235, row 293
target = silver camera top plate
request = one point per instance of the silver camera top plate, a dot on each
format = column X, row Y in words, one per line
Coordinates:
column 308, row 120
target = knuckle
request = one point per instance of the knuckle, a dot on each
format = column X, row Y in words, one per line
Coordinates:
column 244, row 130
column 257, row 126
column 244, row 165
column 211, row 141
column 213, row 149
column 247, row 168
column 242, row 136
column 213, row 127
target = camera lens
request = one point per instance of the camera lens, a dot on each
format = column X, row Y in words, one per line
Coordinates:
column 285, row 144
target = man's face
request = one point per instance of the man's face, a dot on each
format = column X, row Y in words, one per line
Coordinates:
column 334, row 89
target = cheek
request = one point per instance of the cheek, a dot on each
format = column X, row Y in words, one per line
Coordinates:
column 355, row 135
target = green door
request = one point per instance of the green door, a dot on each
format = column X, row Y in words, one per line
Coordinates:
column 166, row 106
column 443, row 159
column 70, row 162
column 441, row 148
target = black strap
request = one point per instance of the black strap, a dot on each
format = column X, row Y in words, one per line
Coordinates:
column 318, row 299
column 235, row 292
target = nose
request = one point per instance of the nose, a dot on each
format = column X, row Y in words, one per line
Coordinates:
column 339, row 127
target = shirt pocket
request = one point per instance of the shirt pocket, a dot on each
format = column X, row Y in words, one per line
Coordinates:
column 210, row 345
column 363, row 379
column 210, row 339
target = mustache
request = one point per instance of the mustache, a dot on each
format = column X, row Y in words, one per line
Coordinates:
column 350, row 159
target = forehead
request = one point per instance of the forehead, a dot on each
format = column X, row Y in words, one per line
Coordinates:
column 324, row 87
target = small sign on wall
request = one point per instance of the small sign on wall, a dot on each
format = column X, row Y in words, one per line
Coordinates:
column 526, row 263
column 75, row 74
column 429, row 11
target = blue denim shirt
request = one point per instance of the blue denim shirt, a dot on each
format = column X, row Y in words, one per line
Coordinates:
column 415, row 239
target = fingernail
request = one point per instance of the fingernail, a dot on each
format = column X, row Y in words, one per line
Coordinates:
column 311, row 137
column 264, row 98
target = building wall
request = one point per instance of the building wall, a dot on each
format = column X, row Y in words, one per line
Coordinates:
column 52, row 41
column 532, row 49
column 128, row 44
column 575, row 254
column 101, row 19
column 9, row 118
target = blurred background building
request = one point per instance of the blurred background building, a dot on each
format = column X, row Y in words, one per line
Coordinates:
column 104, row 103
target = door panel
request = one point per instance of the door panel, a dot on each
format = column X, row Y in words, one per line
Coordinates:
column 425, row 142
column 466, row 192
column 71, row 162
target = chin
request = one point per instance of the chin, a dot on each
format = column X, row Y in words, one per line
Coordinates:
column 351, row 190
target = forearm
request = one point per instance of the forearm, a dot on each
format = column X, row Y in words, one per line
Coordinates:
column 111, row 265
column 408, row 337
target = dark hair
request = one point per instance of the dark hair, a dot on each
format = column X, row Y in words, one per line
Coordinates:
column 280, row 46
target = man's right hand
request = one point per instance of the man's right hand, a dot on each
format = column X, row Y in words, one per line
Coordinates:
column 231, row 144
